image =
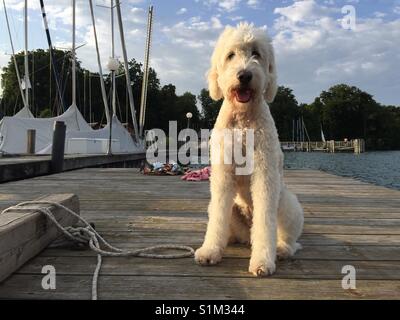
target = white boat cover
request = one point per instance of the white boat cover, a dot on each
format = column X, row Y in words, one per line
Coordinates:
column 24, row 113
column 13, row 134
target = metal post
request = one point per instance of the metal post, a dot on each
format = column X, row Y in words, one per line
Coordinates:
column 31, row 141
column 143, row 100
column 126, row 67
column 73, row 55
column 114, row 108
column 13, row 56
column 103, row 90
column 293, row 131
column 84, row 94
column 90, row 98
column 26, row 55
column 53, row 67
column 57, row 153
column 113, row 101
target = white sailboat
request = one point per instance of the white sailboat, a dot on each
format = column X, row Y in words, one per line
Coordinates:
column 80, row 137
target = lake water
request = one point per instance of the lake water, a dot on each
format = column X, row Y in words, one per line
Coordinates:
column 381, row 168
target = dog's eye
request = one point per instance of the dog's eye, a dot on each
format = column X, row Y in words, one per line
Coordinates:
column 230, row 56
column 255, row 53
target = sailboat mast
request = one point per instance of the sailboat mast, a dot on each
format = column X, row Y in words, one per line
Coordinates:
column 103, row 89
column 53, row 66
column 13, row 55
column 143, row 102
column 73, row 55
column 126, row 66
column 114, row 107
column 26, row 55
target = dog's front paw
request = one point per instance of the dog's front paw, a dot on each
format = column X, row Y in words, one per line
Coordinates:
column 261, row 268
column 207, row 256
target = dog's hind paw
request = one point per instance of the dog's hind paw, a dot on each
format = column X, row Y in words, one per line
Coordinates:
column 207, row 256
column 285, row 251
column 262, row 268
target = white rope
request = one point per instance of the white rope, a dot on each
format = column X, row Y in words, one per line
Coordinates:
column 88, row 235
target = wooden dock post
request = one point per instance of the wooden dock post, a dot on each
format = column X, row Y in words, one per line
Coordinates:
column 359, row 146
column 57, row 153
column 356, row 144
column 31, row 141
column 24, row 234
column 331, row 146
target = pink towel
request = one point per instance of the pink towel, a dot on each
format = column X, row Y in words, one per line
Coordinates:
column 197, row 175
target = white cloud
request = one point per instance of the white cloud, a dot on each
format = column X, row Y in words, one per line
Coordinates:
column 19, row 5
column 315, row 52
column 181, row 11
column 303, row 10
column 253, row 3
column 137, row 15
column 236, row 18
column 379, row 14
column 191, row 42
column 224, row 5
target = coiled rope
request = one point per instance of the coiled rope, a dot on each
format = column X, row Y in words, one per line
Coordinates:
column 87, row 235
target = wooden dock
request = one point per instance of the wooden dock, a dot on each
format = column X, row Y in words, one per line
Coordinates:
column 356, row 146
column 347, row 222
column 24, row 167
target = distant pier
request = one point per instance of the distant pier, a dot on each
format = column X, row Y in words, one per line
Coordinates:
column 331, row 146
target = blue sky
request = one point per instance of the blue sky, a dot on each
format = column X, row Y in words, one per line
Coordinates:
column 313, row 50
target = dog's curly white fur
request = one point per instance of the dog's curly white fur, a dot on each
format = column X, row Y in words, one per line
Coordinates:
column 255, row 208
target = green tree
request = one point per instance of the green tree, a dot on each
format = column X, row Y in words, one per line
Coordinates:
column 43, row 94
column 184, row 104
column 284, row 110
column 312, row 116
column 45, row 113
column 346, row 112
column 163, row 104
column 210, row 109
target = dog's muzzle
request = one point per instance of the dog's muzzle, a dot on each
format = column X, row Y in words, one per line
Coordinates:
column 244, row 77
column 243, row 93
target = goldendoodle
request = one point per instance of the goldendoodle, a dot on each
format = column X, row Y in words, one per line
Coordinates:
column 256, row 207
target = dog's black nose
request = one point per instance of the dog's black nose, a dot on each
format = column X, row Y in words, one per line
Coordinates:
column 244, row 76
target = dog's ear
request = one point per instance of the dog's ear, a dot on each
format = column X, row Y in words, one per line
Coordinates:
column 272, row 86
column 213, row 87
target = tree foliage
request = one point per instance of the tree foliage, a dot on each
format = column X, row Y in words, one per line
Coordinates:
column 210, row 109
column 163, row 104
column 343, row 112
column 284, row 110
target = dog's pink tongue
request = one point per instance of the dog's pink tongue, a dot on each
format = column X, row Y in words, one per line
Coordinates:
column 243, row 96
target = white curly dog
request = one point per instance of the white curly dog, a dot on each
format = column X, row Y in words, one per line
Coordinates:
column 256, row 208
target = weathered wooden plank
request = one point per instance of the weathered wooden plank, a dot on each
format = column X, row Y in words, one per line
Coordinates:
column 206, row 288
column 23, row 234
column 150, row 237
column 229, row 267
column 319, row 226
column 315, row 252
column 202, row 213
